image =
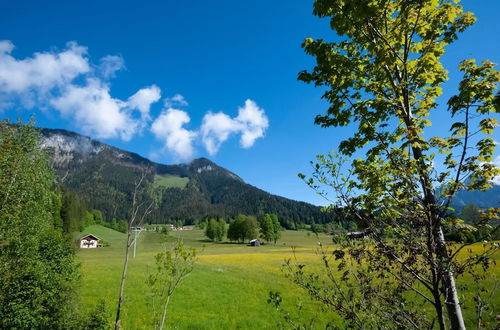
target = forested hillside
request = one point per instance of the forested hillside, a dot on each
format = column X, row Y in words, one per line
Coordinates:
column 104, row 177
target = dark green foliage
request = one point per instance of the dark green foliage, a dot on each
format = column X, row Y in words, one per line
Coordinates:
column 56, row 210
column 98, row 218
column 118, row 225
column 37, row 268
column 242, row 228
column 98, row 318
column 471, row 214
column 73, row 212
column 105, row 178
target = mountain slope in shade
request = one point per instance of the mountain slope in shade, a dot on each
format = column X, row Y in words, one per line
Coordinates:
column 104, row 176
column 482, row 199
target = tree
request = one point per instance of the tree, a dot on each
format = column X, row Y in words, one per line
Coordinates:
column 211, row 229
column 172, row 266
column 243, row 227
column 220, row 230
column 234, row 232
column 250, row 228
column 270, row 228
column 38, row 273
column 141, row 206
column 471, row 214
column 385, row 76
column 73, row 211
column 266, row 228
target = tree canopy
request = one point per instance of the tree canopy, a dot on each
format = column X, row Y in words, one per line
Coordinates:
column 215, row 230
column 270, row 228
column 384, row 77
column 242, row 228
column 37, row 268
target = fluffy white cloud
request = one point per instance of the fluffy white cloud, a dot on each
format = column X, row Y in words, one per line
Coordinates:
column 42, row 71
column 216, row 129
column 67, row 82
column 251, row 123
column 95, row 111
column 143, row 99
column 254, row 122
column 168, row 128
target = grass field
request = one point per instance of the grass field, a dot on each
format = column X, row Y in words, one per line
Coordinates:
column 170, row 181
column 228, row 288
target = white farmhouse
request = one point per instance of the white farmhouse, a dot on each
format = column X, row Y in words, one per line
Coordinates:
column 89, row 242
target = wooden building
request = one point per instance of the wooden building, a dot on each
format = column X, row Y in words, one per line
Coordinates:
column 89, row 242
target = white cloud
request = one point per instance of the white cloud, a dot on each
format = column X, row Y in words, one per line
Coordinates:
column 496, row 180
column 68, row 83
column 176, row 100
column 251, row 123
column 95, row 111
column 143, row 99
column 254, row 121
column 168, row 128
column 216, row 129
column 42, row 71
column 110, row 64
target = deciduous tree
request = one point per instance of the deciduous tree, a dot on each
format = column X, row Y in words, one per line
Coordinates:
column 384, row 77
column 142, row 203
column 270, row 228
column 172, row 266
column 211, row 229
column 37, row 270
column 242, row 228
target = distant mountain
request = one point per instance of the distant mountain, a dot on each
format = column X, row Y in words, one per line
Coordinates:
column 104, row 176
column 482, row 199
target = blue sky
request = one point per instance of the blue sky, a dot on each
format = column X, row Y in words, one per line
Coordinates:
column 234, row 63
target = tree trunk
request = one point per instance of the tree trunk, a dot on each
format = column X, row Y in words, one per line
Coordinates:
column 449, row 286
column 439, row 308
column 164, row 313
column 450, row 290
column 122, row 285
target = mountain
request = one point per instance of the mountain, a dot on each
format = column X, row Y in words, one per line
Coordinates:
column 482, row 199
column 104, row 177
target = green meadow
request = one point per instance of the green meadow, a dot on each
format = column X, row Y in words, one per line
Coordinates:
column 170, row 181
column 227, row 289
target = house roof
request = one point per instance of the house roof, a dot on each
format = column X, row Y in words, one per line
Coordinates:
column 90, row 236
column 356, row 233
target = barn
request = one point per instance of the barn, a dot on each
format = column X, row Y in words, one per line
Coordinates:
column 255, row 242
column 89, row 242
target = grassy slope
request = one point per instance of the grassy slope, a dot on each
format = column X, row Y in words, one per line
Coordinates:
column 227, row 290
column 170, row 181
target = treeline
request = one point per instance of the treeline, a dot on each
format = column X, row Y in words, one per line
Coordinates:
column 105, row 181
column 471, row 225
column 73, row 215
column 244, row 227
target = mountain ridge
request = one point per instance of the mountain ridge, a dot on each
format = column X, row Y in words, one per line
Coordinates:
column 103, row 175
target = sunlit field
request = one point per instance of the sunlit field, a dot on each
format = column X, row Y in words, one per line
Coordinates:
column 228, row 288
